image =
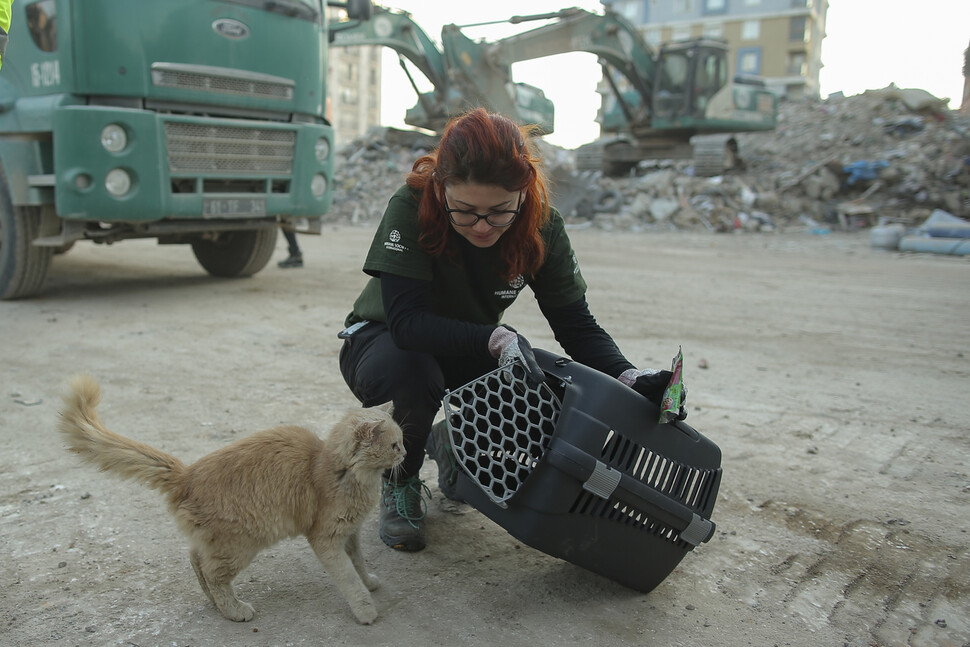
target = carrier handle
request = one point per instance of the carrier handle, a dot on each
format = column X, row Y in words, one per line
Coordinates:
column 605, row 482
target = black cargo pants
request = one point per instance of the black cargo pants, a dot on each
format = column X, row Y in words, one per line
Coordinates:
column 377, row 371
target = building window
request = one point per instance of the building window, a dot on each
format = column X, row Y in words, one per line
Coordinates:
column 630, row 10
column 752, row 3
column 681, row 6
column 796, row 63
column 714, row 30
column 680, row 32
column 715, row 6
column 749, row 60
column 750, row 30
column 796, row 29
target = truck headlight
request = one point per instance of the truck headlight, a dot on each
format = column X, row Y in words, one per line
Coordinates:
column 322, row 149
column 318, row 185
column 117, row 182
column 113, row 138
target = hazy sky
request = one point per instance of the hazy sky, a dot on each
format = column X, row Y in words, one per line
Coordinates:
column 869, row 44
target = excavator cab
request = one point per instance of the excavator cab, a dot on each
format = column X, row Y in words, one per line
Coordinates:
column 690, row 74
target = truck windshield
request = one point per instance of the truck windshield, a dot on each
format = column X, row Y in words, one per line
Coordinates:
column 303, row 9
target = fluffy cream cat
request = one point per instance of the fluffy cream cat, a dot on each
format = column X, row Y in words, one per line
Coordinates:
column 277, row 483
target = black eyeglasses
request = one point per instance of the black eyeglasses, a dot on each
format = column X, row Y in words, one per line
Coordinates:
column 464, row 218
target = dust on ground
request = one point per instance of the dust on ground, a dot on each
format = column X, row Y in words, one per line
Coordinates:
column 835, row 385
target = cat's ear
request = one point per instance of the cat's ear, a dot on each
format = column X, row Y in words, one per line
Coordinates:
column 368, row 432
column 388, row 408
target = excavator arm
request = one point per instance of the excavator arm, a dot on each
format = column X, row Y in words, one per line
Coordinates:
column 672, row 104
column 454, row 92
column 617, row 44
column 610, row 37
column 397, row 31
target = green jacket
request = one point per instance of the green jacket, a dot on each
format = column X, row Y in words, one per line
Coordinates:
column 467, row 287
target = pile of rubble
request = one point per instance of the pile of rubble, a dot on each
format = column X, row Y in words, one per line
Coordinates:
column 887, row 155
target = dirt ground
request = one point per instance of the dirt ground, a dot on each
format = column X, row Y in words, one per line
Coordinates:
column 833, row 377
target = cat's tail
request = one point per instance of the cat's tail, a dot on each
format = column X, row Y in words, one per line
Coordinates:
column 95, row 444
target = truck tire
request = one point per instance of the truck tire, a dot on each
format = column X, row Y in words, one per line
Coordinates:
column 23, row 267
column 236, row 253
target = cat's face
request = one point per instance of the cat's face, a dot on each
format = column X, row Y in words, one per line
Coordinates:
column 378, row 440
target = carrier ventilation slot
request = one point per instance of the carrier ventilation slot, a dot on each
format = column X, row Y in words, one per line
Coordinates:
column 590, row 504
column 689, row 485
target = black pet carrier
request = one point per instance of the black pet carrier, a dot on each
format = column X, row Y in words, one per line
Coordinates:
column 580, row 469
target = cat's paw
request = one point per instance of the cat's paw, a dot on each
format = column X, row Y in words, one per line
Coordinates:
column 371, row 581
column 365, row 612
column 239, row 611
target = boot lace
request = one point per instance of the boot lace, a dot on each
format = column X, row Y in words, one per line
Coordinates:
column 407, row 497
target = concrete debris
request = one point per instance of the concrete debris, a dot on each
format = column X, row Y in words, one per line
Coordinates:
column 884, row 156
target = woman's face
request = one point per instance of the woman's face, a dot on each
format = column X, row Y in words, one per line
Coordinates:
column 463, row 199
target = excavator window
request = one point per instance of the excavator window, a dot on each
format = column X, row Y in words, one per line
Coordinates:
column 710, row 76
column 672, row 84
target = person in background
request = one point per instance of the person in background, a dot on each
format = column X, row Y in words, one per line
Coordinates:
column 5, row 13
column 471, row 228
column 295, row 259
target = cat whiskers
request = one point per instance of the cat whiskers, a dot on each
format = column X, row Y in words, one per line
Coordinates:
column 396, row 472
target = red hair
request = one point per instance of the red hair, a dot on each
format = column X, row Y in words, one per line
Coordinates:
column 485, row 148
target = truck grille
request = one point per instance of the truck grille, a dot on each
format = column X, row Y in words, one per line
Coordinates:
column 199, row 148
column 221, row 80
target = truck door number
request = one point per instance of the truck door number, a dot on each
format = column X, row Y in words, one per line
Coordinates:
column 45, row 74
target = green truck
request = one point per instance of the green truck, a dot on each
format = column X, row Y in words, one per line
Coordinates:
column 199, row 122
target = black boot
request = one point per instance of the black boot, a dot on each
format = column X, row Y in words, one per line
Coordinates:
column 293, row 260
column 402, row 514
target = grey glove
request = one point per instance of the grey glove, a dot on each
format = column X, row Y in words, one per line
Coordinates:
column 508, row 347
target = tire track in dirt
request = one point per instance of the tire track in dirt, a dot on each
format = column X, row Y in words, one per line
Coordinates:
column 921, row 586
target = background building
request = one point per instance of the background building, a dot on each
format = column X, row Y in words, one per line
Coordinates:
column 355, row 91
column 777, row 40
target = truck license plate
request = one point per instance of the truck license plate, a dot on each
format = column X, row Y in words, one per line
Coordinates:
column 223, row 207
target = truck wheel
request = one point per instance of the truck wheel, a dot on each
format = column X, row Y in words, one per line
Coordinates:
column 23, row 267
column 236, row 253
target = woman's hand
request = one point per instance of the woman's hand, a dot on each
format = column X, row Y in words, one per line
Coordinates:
column 652, row 384
column 508, row 347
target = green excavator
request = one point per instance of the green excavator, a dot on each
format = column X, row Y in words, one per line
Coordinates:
column 678, row 102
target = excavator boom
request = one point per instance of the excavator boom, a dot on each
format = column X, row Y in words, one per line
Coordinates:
column 611, row 38
column 397, row 31
column 667, row 104
column 453, row 92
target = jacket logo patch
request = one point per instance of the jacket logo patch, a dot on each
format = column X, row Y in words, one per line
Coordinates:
column 515, row 284
column 393, row 243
